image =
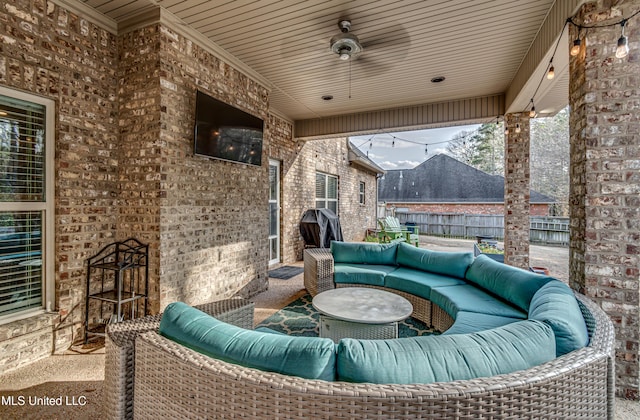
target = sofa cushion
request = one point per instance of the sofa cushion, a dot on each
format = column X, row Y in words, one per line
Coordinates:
column 417, row 282
column 470, row 322
column 364, row 253
column 556, row 305
column 513, row 284
column 361, row 273
column 470, row 298
column 306, row 357
column 453, row 264
column 428, row 359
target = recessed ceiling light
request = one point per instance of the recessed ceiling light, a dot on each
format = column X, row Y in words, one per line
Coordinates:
column 327, row 97
column 438, row 79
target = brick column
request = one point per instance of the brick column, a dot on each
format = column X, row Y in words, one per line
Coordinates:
column 516, row 191
column 604, row 254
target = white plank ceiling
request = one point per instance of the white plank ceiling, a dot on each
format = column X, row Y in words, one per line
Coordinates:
column 476, row 45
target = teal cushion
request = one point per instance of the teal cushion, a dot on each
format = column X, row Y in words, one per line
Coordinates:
column 428, row 359
column 361, row 273
column 453, row 264
column 364, row 253
column 472, row 299
column 510, row 283
column 306, row 357
column 417, row 282
column 470, row 322
column 556, row 305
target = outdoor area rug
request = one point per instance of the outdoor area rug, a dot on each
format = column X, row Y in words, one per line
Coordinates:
column 299, row 318
column 285, row 272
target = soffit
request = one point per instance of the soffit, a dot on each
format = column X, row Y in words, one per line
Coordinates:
column 477, row 45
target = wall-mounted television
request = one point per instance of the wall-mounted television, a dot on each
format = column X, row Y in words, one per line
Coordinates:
column 225, row 132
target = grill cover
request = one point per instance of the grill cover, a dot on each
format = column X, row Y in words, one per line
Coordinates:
column 319, row 227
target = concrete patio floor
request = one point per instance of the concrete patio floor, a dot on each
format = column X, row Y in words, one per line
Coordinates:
column 75, row 379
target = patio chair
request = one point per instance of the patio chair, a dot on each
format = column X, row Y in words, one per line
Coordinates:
column 392, row 231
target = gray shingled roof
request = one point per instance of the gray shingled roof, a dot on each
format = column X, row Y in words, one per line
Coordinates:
column 443, row 179
column 358, row 157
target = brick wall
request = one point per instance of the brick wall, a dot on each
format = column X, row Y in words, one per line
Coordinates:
column 140, row 147
column 207, row 219
column 517, row 187
column 49, row 51
column 605, row 180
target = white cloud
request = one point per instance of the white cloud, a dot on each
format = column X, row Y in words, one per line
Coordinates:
column 402, row 164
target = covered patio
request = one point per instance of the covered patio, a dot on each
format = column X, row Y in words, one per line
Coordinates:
column 121, row 77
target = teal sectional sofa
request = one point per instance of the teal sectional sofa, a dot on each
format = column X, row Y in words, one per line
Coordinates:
column 464, row 294
column 514, row 344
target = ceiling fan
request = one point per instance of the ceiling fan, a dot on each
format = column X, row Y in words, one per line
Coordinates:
column 385, row 50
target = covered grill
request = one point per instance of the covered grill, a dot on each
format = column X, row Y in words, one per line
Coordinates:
column 319, row 227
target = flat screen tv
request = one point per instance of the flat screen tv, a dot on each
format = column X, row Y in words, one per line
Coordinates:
column 225, row 132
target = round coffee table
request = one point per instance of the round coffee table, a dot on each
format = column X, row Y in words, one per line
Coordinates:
column 360, row 312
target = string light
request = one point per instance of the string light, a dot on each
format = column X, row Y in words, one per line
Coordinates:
column 575, row 49
column 551, row 73
column 532, row 111
column 623, row 46
column 622, row 50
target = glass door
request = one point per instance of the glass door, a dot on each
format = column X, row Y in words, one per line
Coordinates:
column 274, row 212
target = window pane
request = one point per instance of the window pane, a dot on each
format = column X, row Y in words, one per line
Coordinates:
column 22, row 151
column 332, row 187
column 273, row 182
column 320, row 204
column 20, row 261
column 321, row 185
column 333, row 205
column 273, row 218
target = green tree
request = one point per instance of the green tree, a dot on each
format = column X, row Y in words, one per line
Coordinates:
column 550, row 158
column 483, row 148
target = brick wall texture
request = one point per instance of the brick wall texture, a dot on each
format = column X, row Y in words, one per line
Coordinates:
column 517, row 187
column 51, row 52
column 605, row 178
column 125, row 167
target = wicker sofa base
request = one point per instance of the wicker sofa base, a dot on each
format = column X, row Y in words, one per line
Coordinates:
column 175, row 382
column 120, row 349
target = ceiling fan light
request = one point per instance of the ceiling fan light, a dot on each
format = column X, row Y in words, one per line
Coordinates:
column 346, row 45
column 575, row 49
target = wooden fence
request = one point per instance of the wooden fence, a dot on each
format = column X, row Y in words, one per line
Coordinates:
column 544, row 229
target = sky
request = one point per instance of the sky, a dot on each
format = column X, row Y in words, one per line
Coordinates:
column 398, row 154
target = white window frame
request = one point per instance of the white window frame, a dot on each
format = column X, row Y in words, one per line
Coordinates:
column 47, row 207
column 325, row 199
column 362, row 188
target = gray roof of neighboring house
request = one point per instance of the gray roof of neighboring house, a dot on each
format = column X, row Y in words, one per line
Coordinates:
column 443, row 179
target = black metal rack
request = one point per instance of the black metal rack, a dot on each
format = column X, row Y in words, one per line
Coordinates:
column 117, row 284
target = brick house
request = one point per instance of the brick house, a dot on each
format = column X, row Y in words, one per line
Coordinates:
column 442, row 184
column 114, row 84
